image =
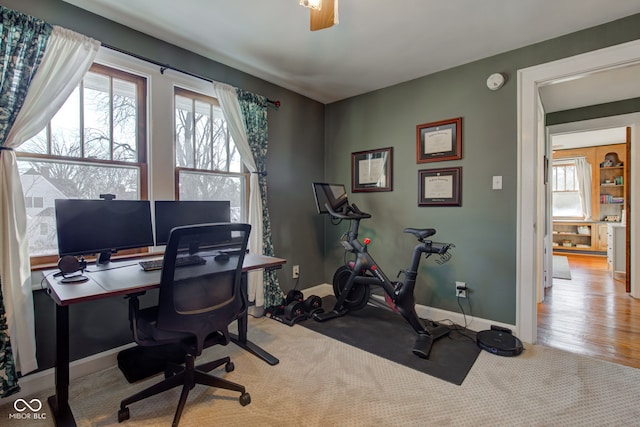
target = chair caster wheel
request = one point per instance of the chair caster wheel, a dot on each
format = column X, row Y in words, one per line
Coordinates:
column 123, row 414
column 229, row 367
column 245, row 399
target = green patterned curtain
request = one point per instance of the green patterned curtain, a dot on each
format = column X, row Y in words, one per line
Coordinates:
column 23, row 40
column 254, row 115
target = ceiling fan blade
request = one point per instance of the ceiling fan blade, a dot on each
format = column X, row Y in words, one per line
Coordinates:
column 326, row 17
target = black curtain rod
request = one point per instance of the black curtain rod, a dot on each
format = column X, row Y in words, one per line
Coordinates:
column 164, row 67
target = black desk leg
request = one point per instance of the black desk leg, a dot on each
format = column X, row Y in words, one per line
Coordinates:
column 241, row 339
column 59, row 403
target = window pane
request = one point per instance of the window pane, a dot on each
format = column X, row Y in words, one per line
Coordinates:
column 200, row 186
column 97, row 116
column 38, row 144
column 567, row 204
column 184, row 125
column 125, row 121
column 204, row 153
column 571, row 178
column 235, row 162
column 561, row 178
column 44, row 181
column 220, row 144
column 65, row 128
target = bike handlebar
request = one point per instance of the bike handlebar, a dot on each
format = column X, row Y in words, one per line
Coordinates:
column 436, row 247
column 352, row 212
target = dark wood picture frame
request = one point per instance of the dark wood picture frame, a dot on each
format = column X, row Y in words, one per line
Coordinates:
column 372, row 170
column 440, row 187
column 439, row 141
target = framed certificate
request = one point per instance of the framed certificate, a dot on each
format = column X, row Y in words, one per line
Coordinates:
column 371, row 170
column 439, row 141
column 440, row 187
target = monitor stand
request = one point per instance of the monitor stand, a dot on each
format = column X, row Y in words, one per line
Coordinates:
column 75, row 279
column 103, row 258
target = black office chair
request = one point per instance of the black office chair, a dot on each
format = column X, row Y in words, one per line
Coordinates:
column 196, row 305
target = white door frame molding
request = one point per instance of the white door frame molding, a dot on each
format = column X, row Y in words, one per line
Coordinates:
column 530, row 155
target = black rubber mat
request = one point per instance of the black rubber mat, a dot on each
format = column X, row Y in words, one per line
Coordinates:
column 387, row 334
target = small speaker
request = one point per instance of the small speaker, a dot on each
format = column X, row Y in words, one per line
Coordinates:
column 69, row 264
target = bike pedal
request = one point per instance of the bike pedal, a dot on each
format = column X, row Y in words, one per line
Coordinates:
column 423, row 345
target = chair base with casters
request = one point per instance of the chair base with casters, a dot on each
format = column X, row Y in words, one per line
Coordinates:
column 195, row 306
column 188, row 377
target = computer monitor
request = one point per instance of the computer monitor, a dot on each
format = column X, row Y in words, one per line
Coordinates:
column 334, row 195
column 102, row 227
column 175, row 213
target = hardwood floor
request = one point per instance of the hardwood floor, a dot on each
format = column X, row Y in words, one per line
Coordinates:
column 591, row 314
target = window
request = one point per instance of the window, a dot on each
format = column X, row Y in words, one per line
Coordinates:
column 567, row 202
column 34, row 202
column 95, row 144
column 208, row 164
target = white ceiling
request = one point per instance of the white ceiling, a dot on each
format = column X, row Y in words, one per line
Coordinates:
column 378, row 43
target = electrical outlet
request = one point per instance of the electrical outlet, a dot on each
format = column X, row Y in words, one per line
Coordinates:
column 296, row 271
column 461, row 289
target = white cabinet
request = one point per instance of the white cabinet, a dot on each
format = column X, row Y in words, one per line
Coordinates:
column 616, row 248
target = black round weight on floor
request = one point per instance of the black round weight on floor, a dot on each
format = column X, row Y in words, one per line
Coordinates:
column 293, row 310
column 314, row 302
column 294, row 295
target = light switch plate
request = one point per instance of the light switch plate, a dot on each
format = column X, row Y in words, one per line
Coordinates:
column 497, row 182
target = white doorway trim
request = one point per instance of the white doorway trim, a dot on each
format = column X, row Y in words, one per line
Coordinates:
column 530, row 186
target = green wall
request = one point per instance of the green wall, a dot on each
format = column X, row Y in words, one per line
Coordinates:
column 484, row 227
column 609, row 109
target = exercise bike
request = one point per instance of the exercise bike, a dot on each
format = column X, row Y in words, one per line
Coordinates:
column 352, row 282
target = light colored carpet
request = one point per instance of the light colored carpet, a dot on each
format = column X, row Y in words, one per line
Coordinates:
column 323, row 382
column 561, row 268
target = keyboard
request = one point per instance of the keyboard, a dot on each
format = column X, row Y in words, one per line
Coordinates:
column 156, row 264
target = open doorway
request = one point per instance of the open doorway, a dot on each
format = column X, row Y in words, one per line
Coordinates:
column 531, row 195
column 585, row 306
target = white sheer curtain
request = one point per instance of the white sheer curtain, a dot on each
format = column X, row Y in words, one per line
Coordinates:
column 583, row 171
column 67, row 58
column 230, row 106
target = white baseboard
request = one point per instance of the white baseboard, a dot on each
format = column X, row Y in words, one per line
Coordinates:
column 473, row 323
column 40, row 381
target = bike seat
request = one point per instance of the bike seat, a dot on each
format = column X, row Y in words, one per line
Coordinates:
column 421, row 233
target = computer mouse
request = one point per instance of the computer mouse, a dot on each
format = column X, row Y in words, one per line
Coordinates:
column 222, row 257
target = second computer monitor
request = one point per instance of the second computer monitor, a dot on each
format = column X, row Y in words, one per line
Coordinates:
column 175, row 213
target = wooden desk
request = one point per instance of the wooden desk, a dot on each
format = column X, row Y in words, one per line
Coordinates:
column 120, row 278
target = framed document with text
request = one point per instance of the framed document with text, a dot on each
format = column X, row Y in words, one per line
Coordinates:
column 440, row 187
column 439, row 141
column 371, row 170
